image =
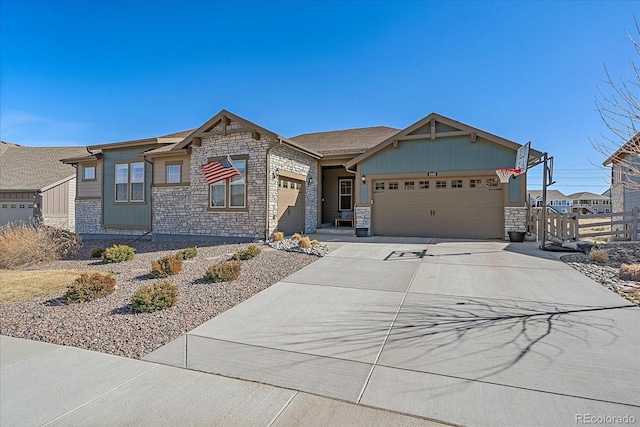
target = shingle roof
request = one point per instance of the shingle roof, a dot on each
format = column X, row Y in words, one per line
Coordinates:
column 587, row 196
column 348, row 141
column 182, row 134
column 34, row 168
column 551, row 194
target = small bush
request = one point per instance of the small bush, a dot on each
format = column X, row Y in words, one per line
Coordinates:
column 304, row 242
column 599, row 255
column 314, row 242
column 155, row 297
column 166, row 266
column 97, row 253
column 278, row 236
column 251, row 252
column 23, row 245
column 118, row 253
column 187, row 253
column 296, row 236
column 224, row 271
column 88, row 287
column 630, row 272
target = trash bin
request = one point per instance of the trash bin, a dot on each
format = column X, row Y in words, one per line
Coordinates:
column 516, row 236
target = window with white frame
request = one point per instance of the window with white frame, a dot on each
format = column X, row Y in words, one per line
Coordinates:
column 129, row 181
column 174, row 172
column 379, row 186
column 88, row 173
column 232, row 192
column 346, row 194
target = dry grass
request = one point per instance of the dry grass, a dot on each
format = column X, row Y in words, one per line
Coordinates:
column 25, row 245
column 599, row 255
column 596, row 229
column 630, row 272
column 22, row 285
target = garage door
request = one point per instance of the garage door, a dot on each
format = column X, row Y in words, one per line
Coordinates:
column 463, row 207
column 14, row 212
column 291, row 206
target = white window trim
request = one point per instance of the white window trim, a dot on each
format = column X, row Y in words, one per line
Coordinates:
column 179, row 174
column 131, row 182
column 340, row 195
column 116, row 183
column 227, row 189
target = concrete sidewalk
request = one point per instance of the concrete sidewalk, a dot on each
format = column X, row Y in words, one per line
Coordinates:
column 49, row 385
column 471, row 332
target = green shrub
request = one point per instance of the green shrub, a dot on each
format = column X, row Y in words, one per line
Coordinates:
column 224, row 271
column 97, row 253
column 88, row 287
column 166, row 266
column 278, row 236
column 118, row 253
column 304, row 242
column 251, row 252
column 599, row 255
column 187, row 253
column 155, row 297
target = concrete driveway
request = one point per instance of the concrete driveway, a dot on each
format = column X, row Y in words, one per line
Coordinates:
column 468, row 332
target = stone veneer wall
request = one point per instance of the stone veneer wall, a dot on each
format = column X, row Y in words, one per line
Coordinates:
column 88, row 215
column 185, row 210
column 363, row 218
column 515, row 219
column 57, row 222
column 284, row 158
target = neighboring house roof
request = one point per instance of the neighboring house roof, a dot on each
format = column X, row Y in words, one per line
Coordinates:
column 347, row 141
column 35, row 168
column 587, row 196
column 551, row 195
column 632, row 146
column 433, row 117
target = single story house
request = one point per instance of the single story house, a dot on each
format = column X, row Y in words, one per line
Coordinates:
column 625, row 175
column 233, row 179
column 34, row 183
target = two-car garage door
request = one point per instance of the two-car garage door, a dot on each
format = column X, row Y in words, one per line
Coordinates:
column 462, row 207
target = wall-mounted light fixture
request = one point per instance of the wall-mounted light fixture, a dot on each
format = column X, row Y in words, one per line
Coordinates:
column 275, row 174
column 310, row 180
column 364, row 179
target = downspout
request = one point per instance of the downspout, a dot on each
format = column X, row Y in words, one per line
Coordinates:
column 268, row 182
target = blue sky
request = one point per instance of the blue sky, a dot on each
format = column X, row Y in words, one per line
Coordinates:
column 91, row 72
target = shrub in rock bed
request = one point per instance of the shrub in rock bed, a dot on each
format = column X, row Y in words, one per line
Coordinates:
column 304, row 242
column 118, row 253
column 187, row 253
column 88, row 287
column 278, row 236
column 296, row 237
column 166, row 266
column 251, row 252
column 97, row 253
column 155, row 297
column 630, row 272
column 224, row 271
column 599, row 256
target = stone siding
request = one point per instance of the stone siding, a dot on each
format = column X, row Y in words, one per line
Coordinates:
column 88, row 220
column 363, row 218
column 283, row 158
column 57, row 222
column 185, row 210
column 515, row 219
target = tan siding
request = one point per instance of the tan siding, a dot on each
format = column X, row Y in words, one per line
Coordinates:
column 89, row 188
column 55, row 200
column 160, row 169
column 18, row 195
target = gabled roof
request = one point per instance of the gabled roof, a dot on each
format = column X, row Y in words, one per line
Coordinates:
column 587, row 196
column 632, row 146
column 551, row 195
column 35, row 168
column 457, row 128
column 210, row 127
column 347, row 141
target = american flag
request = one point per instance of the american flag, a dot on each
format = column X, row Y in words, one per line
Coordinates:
column 215, row 171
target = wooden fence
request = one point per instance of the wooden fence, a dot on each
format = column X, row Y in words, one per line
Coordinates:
column 568, row 226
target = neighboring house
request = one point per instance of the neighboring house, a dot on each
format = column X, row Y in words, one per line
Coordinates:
column 625, row 175
column 34, row 183
column 590, row 203
column 434, row 178
column 555, row 200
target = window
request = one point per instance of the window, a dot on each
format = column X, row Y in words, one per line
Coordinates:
column 137, row 182
column 456, row 183
column 174, row 174
column 393, row 186
column 89, row 173
column 346, row 194
column 22, row 206
column 285, row 184
column 423, row 185
column 122, row 183
column 5, row 206
column 491, row 182
column 441, row 184
column 475, row 183
column 379, row 186
column 232, row 192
